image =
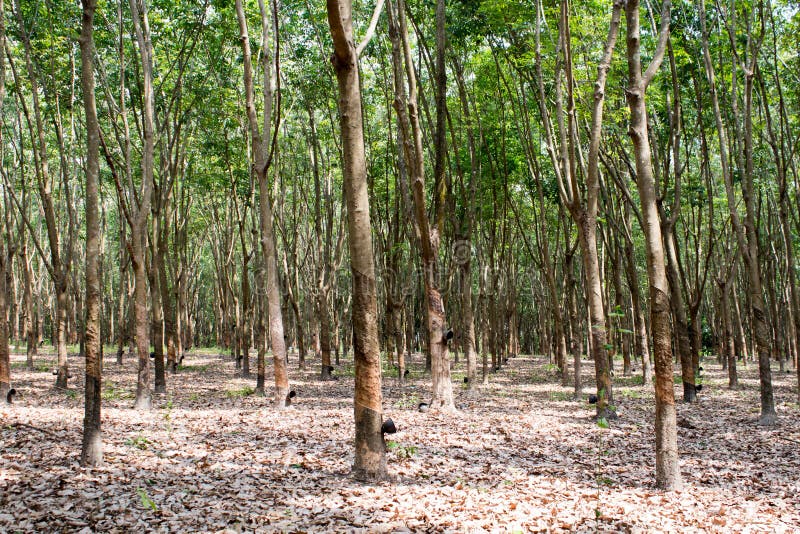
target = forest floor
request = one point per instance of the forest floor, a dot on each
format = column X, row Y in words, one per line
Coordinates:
column 519, row 456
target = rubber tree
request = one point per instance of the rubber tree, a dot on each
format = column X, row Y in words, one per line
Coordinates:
column 92, row 445
column 745, row 231
column 370, row 448
column 583, row 207
column 667, row 469
column 407, row 108
column 262, row 159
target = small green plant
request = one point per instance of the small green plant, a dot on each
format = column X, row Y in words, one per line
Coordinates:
column 549, row 367
column 408, row 401
column 147, row 502
column 634, row 380
column 194, row 397
column 112, row 392
column 168, row 415
column 630, row 394
column 560, row 396
column 401, row 451
column 240, row 393
column 139, row 441
column 71, row 394
column 38, row 367
column 195, row 368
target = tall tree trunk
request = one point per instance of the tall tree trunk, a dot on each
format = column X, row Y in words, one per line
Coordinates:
column 31, row 347
column 406, row 105
column 92, row 445
column 138, row 245
column 58, row 266
column 576, row 338
column 681, row 324
column 370, row 448
column 778, row 145
column 668, row 475
column 584, row 213
column 746, row 233
column 156, row 299
column 5, row 354
column 261, row 164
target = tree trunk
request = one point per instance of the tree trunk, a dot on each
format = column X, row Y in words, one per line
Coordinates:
column 746, row 233
column 138, row 245
column 681, row 325
column 576, row 339
column 261, row 164
column 31, row 347
column 668, row 475
column 92, row 445
column 730, row 348
column 408, row 121
column 5, row 354
column 370, row 448
column 156, row 301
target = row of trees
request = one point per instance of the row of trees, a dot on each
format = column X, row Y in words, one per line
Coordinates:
column 504, row 177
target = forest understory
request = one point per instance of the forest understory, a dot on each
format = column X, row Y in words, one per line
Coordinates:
column 520, row 455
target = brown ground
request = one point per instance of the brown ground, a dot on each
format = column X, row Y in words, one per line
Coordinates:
column 521, row 456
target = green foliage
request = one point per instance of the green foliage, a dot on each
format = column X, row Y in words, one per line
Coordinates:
column 560, row 396
column 246, row 391
column 408, row 401
column 145, row 500
column 630, row 393
column 193, row 368
column 400, row 450
column 139, row 441
column 112, row 391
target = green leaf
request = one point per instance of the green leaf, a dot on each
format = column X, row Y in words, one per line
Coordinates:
column 147, row 502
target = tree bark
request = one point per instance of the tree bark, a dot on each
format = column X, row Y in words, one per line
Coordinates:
column 138, row 244
column 668, row 475
column 370, row 448
column 261, row 165
column 92, row 445
column 406, row 105
column 746, row 233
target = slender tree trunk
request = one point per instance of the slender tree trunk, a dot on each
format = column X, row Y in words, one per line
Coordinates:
column 31, row 348
column 92, row 446
column 5, row 355
column 261, row 164
column 156, row 301
column 680, row 323
column 370, row 448
column 777, row 143
column 59, row 266
column 408, row 120
column 746, row 233
column 584, row 213
column 668, row 475
column 138, row 245
column 468, row 323
column 727, row 333
column 167, row 298
column 576, row 339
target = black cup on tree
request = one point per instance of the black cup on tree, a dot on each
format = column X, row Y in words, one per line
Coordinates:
column 388, row 427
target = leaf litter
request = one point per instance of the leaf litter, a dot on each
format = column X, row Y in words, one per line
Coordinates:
column 520, row 455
